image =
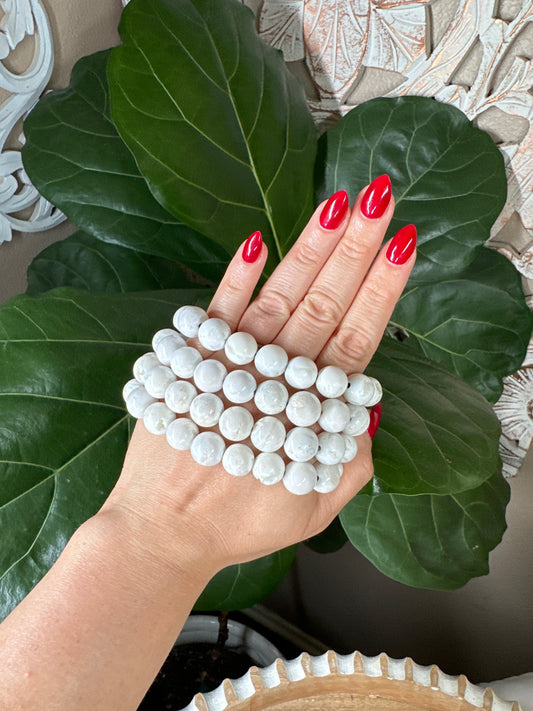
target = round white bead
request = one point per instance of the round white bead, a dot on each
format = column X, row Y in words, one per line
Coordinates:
column 301, row 372
column 240, row 348
column 144, row 365
column 269, row 468
column 184, row 361
column 301, row 444
column 206, row 409
column 209, row 375
column 187, row 320
column 137, row 401
column 359, row 421
column 331, row 448
column 331, row 381
column 378, row 393
column 239, row 386
column 361, row 389
column 271, row 360
column 213, row 334
column 303, row 409
column 351, row 448
column 163, row 333
column 335, row 415
column 271, row 397
column 300, row 478
column 238, row 460
column 207, row 448
column 181, row 432
column 329, row 476
column 168, row 346
column 179, row 395
column 158, row 380
column 157, row 418
column 268, row 434
column 236, row 423
column 130, row 386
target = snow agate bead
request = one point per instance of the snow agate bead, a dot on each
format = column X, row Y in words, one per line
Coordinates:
column 181, row 432
column 213, row 334
column 163, row 333
column 206, row 409
column 130, row 386
column 331, row 381
column 335, row 415
column 301, row 372
column 166, row 348
column 303, row 409
column 184, row 361
column 362, row 390
column 238, row 459
column 207, row 448
column 157, row 417
column 300, row 478
column 359, row 421
column 331, row 448
column 268, row 468
column 240, row 348
column 350, row 448
column 209, row 375
column 144, row 365
column 329, row 476
column 239, row 386
column 271, row 360
column 138, row 400
column 179, row 395
column 271, row 397
column 236, row 423
column 301, row 444
column 158, row 380
column 268, row 434
column 378, row 393
column 187, row 320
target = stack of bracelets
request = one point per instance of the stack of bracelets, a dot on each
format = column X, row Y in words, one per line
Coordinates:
column 174, row 387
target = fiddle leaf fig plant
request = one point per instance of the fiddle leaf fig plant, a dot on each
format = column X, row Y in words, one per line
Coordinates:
column 166, row 152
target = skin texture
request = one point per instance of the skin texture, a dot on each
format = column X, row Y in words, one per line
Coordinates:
column 94, row 632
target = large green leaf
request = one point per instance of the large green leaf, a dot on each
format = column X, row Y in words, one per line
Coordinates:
column 219, row 127
column 448, row 177
column 437, row 434
column 243, row 585
column 429, row 541
column 77, row 160
column 477, row 324
column 84, row 262
column 64, row 358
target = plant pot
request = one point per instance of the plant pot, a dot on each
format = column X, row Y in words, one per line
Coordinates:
column 333, row 682
column 194, row 665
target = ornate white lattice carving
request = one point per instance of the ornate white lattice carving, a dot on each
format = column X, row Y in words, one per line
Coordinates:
column 21, row 206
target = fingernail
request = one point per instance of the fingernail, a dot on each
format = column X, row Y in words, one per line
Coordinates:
column 402, row 245
column 252, row 247
column 377, row 197
column 375, row 418
column 334, row 210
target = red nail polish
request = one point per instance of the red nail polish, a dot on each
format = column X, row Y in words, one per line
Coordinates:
column 375, row 419
column 377, row 197
column 334, row 210
column 402, row 245
column 252, row 247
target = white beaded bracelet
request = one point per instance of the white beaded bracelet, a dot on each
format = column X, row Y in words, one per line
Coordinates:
column 175, row 391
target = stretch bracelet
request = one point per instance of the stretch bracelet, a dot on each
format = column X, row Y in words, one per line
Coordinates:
column 174, row 391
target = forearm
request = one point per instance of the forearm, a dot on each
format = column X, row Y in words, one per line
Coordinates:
column 95, row 631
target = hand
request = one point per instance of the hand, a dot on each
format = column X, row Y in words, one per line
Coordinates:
column 330, row 299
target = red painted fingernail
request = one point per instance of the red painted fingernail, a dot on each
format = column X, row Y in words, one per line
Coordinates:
column 377, row 197
column 252, row 247
column 334, row 210
column 402, row 245
column 375, row 419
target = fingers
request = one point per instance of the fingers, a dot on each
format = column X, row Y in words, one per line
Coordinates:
column 239, row 281
column 289, row 282
column 352, row 346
